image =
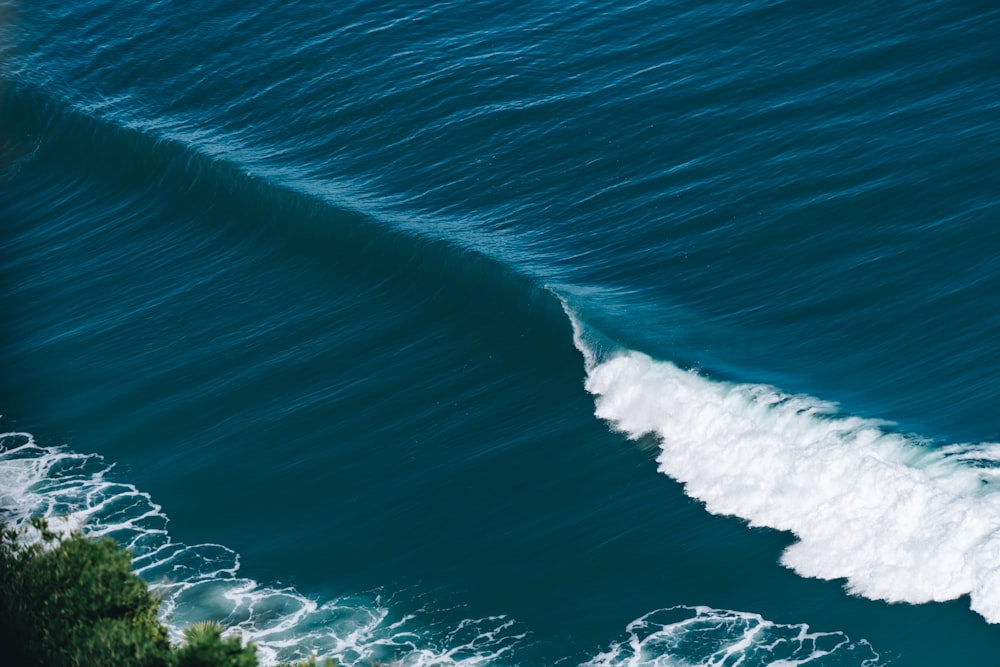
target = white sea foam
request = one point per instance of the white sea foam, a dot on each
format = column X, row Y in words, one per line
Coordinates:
column 899, row 519
column 704, row 637
column 202, row 582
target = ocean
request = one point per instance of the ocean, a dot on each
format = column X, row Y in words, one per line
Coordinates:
column 515, row 334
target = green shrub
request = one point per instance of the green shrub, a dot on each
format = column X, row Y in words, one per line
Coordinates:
column 75, row 602
column 204, row 646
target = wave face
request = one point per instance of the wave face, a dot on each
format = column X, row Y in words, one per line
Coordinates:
column 298, row 272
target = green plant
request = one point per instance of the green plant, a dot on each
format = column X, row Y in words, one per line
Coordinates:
column 74, row 602
column 205, row 646
column 71, row 601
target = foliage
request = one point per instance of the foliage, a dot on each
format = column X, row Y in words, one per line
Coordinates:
column 204, row 646
column 74, row 602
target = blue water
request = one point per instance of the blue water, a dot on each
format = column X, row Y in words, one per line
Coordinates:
column 487, row 333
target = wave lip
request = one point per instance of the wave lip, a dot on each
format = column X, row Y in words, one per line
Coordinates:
column 899, row 520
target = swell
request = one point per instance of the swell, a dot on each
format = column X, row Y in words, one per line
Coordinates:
column 264, row 210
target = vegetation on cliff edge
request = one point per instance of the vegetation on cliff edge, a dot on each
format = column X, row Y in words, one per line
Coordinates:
column 72, row 601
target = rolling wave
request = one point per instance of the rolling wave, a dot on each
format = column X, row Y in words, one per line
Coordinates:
column 244, row 206
column 897, row 518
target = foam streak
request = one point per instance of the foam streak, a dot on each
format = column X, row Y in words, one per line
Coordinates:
column 705, row 637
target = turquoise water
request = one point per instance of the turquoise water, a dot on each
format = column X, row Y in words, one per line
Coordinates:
column 488, row 334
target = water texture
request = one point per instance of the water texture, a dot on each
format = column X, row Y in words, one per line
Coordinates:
column 489, row 333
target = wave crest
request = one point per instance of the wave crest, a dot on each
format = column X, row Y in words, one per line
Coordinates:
column 898, row 519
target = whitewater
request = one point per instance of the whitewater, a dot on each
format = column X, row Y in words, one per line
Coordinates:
column 899, row 518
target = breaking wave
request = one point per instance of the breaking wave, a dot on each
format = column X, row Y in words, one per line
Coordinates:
column 898, row 518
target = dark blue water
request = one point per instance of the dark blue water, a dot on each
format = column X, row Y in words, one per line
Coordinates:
column 501, row 334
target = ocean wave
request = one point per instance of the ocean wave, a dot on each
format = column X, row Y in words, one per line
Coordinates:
column 896, row 517
column 259, row 210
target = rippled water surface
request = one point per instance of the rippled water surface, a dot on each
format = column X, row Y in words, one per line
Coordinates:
column 489, row 333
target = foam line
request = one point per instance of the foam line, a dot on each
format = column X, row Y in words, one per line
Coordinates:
column 705, row 637
column 899, row 519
